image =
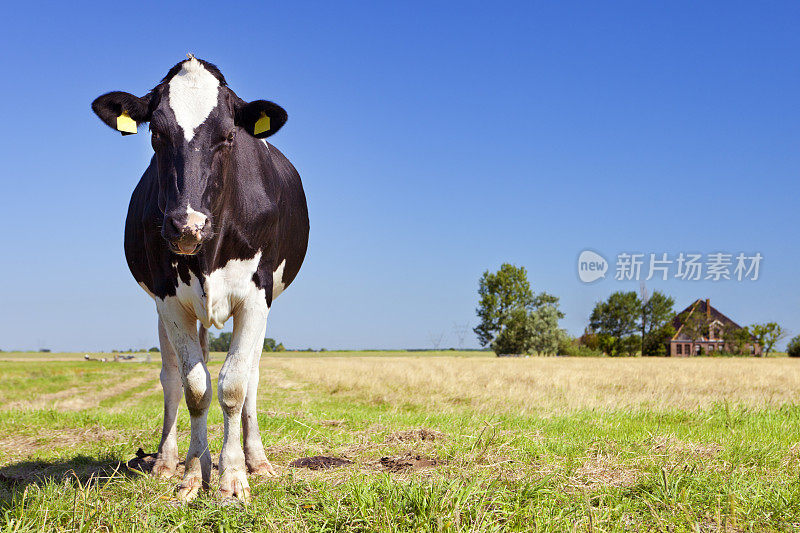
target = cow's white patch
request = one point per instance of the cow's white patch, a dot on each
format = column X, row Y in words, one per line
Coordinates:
column 192, row 96
column 223, row 290
column 195, row 220
column 277, row 280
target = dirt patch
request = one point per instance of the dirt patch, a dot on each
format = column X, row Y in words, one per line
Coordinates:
column 285, row 414
column 319, row 462
column 673, row 446
column 603, row 471
column 332, row 423
column 143, row 461
column 408, row 462
column 414, row 435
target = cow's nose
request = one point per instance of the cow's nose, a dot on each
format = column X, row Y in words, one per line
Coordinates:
column 175, row 226
column 172, row 229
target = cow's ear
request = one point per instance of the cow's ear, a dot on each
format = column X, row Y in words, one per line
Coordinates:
column 260, row 118
column 122, row 111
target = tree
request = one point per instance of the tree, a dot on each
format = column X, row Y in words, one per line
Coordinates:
column 767, row 335
column 616, row 318
column 501, row 294
column 737, row 339
column 221, row 343
column 590, row 339
column 657, row 313
column 793, row 349
column 544, row 331
column 629, row 345
column 695, row 326
column 515, row 337
column 655, row 342
column 514, row 320
column 270, row 345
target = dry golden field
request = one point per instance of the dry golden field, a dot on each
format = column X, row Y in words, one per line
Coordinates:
column 548, row 385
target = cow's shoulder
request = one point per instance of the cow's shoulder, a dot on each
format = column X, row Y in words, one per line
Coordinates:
column 145, row 251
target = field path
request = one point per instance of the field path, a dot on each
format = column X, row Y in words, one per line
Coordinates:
column 80, row 398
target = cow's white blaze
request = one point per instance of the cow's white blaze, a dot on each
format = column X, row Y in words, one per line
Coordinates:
column 192, row 96
column 277, row 280
column 195, row 220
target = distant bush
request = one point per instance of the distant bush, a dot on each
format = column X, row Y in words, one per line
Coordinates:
column 590, row 339
column 716, row 353
column 567, row 346
column 583, row 351
column 154, row 349
column 629, row 345
column 793, row 350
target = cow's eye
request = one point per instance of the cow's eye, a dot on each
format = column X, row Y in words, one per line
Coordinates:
column 231, row 136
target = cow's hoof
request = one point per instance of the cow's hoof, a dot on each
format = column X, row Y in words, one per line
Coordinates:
column 165, row 468
column 262, row 469
column 234, row 484
column 188, row 488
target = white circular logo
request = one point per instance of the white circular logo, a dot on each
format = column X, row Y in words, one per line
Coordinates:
column 591, row 266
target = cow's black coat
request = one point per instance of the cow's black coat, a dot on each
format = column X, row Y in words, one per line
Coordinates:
column 250, row 192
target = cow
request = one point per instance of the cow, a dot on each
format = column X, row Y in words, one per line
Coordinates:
column 217, row 227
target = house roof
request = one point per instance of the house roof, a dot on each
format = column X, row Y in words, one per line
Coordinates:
column 704, row 307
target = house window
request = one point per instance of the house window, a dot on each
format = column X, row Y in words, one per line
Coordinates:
column 678, row 349
column 686, row 349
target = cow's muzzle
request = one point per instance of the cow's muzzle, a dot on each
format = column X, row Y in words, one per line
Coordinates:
column 186, row 238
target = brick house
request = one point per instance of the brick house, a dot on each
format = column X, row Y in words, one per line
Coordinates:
column 682, row 346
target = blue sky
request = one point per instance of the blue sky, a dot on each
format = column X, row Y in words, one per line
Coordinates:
column 435, row 140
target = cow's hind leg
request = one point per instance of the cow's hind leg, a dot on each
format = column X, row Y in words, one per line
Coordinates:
column 254, row 456
column 167, row 459
column 248, row 333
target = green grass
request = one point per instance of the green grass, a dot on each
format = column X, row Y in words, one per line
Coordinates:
column 731, row 464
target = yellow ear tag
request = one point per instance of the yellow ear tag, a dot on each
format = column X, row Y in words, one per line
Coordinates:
column 262, row 124
column 125, row 123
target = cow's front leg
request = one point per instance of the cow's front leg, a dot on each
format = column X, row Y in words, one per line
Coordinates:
column 254, row 455
column 181, row 329
column 248, row 334
column 167, row 459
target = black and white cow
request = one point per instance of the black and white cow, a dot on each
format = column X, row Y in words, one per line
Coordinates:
column 217, row 228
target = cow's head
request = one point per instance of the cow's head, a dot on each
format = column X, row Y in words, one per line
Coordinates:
column 195, row 120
